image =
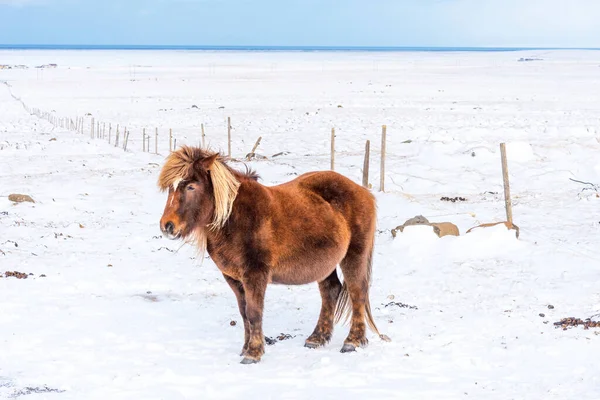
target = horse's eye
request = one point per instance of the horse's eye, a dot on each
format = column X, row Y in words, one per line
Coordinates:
column 190, row 187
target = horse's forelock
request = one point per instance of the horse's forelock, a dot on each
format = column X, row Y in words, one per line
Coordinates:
column 186, row 162
column 180, row 165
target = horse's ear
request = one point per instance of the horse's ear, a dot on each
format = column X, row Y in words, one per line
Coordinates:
column 205, row 163
column 208, row 162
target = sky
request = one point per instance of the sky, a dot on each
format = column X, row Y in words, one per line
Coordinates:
column 444, row 23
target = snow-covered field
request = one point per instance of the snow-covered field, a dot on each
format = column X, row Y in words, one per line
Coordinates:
column 124, row 314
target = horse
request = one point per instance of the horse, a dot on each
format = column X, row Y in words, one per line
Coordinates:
column 293, row 233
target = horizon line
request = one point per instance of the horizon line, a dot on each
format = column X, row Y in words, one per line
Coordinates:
column 63, row 46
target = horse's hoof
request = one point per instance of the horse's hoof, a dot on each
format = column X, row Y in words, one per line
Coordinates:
column 317, row 340
column 312, row 345
column 347, row 348
column 248, row 360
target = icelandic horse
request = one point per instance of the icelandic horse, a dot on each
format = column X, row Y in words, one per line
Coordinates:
column 294, row 233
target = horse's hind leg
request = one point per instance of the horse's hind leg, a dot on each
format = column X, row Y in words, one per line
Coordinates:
column 330, row 289
column 354, row 267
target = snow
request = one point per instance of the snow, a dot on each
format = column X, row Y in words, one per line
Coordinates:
column 124, row 314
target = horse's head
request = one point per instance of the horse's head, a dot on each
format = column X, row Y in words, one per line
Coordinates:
column 201, row 192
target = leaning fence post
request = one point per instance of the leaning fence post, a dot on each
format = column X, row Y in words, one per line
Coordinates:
column 382, row 169
column 253, row 151
column 125, row 139
column 507, row 200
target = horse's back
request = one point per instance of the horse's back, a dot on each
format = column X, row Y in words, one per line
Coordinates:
column 339, row 191
column 355, row 203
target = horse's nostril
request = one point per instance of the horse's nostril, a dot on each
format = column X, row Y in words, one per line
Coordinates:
column 169, row 227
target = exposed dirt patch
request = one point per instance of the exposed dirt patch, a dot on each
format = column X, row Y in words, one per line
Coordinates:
column 572, row 322
column 400, row 305
column 16, row 274
column 453, row 199
column 148, row 296
column 281, row 337
column 31, row 390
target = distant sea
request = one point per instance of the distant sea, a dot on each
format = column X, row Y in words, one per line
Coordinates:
column 268, row 48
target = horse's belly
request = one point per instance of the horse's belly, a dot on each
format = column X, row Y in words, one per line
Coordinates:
column 301, row 276
column 302, row 272
column 311, row 257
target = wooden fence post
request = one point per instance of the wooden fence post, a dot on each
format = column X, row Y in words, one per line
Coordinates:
column 507, row 200
column 253, row 151
column 382, row 169
column 229, row 137
column 170, row 140
column 333, row 149
column 203, row 137
column 125, row 139
column 365, row 180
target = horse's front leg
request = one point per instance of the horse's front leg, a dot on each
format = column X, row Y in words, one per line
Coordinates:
column 238, row 290
column 255, row 282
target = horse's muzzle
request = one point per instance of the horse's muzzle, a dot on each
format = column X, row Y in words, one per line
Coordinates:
column 168, row 231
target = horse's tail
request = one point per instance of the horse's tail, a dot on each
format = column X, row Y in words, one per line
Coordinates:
column 343, row 306
column 370, row 320
column 344, row 302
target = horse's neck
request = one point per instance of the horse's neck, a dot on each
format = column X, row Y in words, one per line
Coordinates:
column 249, row 192
column 249, row 202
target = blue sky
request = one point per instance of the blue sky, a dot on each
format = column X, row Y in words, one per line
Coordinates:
column 502, row 23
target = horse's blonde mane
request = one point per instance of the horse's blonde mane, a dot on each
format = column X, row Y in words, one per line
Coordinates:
column 225, row 190
column 181, row 165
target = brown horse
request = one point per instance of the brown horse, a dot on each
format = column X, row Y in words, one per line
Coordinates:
column 294, row 233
